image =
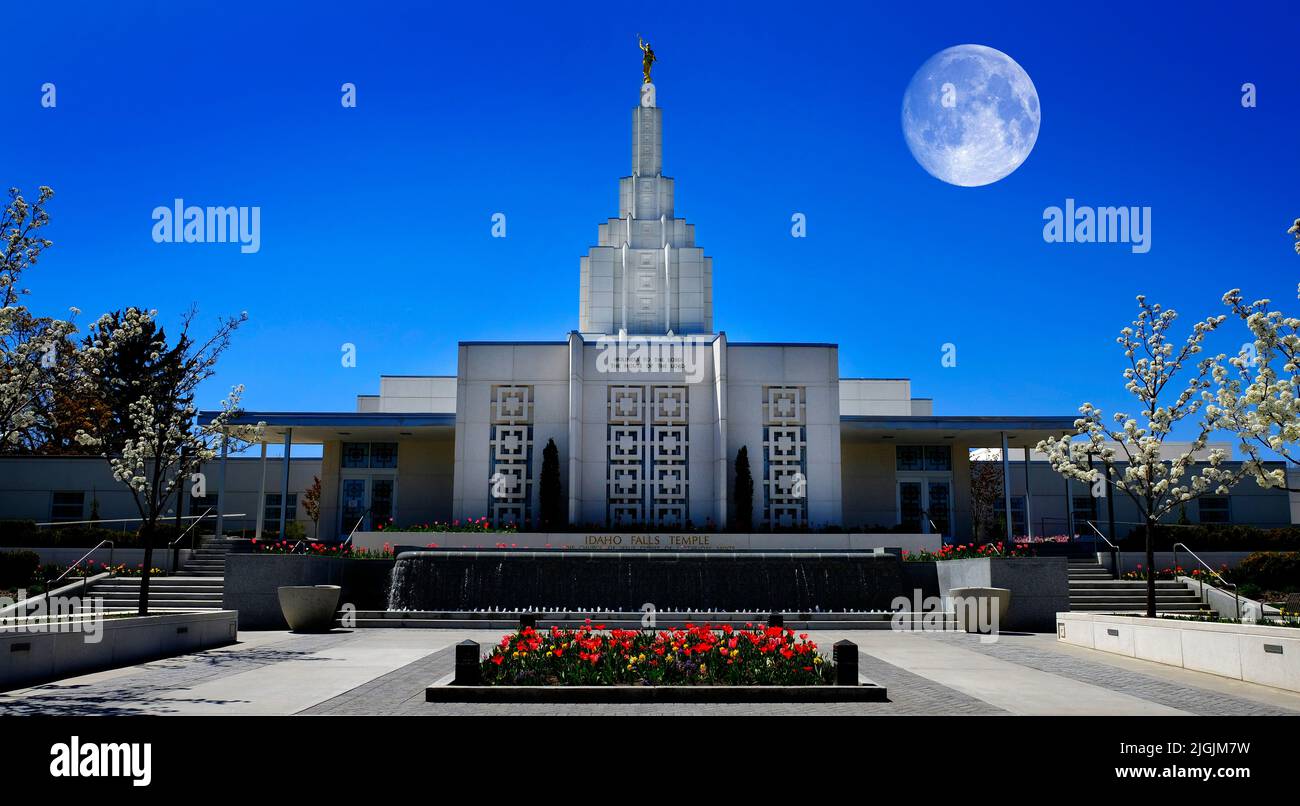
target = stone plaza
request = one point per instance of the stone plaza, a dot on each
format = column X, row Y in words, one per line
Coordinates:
column 385, row 672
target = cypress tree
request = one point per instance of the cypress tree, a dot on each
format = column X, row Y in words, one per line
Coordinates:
column 552, row 500
column 744, row 492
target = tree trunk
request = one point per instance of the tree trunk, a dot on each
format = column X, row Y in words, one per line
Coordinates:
column 1151, row 568
column 146, row 537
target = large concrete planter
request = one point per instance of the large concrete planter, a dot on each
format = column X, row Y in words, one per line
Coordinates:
column 1039, row 586
column 973, row 607
column 253, row 581
column 309, row 608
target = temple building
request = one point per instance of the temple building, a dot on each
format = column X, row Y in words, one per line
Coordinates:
column 648, row 404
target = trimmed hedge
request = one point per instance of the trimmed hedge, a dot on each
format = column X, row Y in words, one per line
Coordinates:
column 1217, row 538
column 18, row 568
column 1276, row 571
column 25, row 534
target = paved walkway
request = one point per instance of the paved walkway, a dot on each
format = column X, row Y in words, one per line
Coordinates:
column 384, row 671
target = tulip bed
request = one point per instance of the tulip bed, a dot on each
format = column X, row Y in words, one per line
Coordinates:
column 700, row 655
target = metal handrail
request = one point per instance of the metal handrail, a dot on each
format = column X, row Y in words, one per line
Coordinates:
column 1116, row 556
column 191, row 526
column 348, row 539
column 49, row 585
column 1235, row 596
column 1094, row 528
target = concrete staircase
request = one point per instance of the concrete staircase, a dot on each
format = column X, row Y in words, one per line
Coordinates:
column 1092, row 588
column 197, row 586
column 208, row 560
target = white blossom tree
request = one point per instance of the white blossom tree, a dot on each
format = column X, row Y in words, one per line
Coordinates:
column 1259, row 393
column 1131, row 453
column 154, row 444
column 1261, row 398
column 35, row 352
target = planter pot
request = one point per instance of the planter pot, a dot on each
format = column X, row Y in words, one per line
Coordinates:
column 976, row 604
column 309, row 608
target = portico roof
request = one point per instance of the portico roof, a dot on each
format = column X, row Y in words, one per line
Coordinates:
column 1020, row 431
column 323, row 426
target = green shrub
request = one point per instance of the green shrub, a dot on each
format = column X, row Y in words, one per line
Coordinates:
column 1226, row 537
column 18, row 568
column 25, row 533
column 1277, row 571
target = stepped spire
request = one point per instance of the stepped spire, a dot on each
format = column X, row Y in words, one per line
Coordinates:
column 646, row 276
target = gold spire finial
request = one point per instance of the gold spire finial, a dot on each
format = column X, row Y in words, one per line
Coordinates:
column 647, row 59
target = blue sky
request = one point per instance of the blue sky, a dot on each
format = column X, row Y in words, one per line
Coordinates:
column 376, row 220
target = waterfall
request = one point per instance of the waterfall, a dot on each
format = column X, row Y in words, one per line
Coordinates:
column 466, row 580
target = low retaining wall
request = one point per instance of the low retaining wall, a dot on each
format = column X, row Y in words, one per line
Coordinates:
column 33, row 657
column 162, row 558
column 1269, row 656
column 252, row 580
column 1040, row 586
column 1134, row 556
column 671, row 541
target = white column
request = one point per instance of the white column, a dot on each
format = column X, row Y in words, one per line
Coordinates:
column 1006, row 486
column 284, row 481
column 721, row 455
column 221, row 486
column 1029, row 518
column 261, row 495
column 576, row 357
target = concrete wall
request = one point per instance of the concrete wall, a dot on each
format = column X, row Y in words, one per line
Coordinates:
column 252, row 581
column 1269, row 656
column 162, row 558
column 27, row 486
column 668, row 541
column 1039, row 586
column 1130, row 560
column 1248, row 503
column 32, row 657
column 749, row 368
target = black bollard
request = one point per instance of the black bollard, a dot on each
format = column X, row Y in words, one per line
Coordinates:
column 846, row 663
column 527, row 620
column 467, row 664
column 776, row 620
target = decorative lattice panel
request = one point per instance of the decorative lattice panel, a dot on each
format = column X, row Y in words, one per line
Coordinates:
column 669, row 446
column 647, row 455
column 510, row 474
column 785, row 465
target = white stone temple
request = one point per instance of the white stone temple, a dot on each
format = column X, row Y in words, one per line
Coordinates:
column 648, row 406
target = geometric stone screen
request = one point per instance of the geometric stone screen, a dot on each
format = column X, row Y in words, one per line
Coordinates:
column 647, row 456
column 510, row 474
column 785, row 446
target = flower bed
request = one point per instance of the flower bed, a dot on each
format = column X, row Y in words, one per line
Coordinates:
column 965, row 551
column 322, row 550
column 468, row 525
column 1286, row 620
column 697, row 655
column 1175, row 573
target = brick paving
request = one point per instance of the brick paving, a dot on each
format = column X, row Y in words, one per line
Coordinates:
column 401, row 692
column 137, row 692
column 1148, row 687
column 197, row 683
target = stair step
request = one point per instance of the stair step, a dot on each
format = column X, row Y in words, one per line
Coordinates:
column 1141, row 608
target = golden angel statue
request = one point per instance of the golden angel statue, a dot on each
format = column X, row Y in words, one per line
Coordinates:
column 646, row 60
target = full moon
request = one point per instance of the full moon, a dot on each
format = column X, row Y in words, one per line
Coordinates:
column 970, row 115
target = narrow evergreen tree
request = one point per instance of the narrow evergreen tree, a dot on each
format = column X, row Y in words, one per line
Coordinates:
column 744, row 492
column 552, row 499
